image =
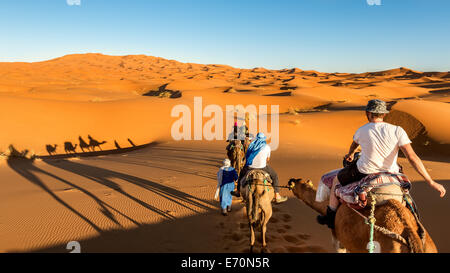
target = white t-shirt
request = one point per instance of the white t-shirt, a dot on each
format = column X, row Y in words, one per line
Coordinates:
column 260, row 159
column 379, row 143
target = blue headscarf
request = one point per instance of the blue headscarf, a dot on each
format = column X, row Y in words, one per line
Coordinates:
column 255, row 147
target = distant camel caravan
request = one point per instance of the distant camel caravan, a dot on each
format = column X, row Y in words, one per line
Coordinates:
column 258, row 195
column 351, row 233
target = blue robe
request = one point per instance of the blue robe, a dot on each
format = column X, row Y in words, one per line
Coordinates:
column 225, row 180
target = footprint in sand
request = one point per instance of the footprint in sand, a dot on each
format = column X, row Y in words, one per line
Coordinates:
column 273, row 220
column 287, row 226
column 280, row 230
column 286, row 217
column 243, row 225
column 236, row 237
column 291, row 239
column 303, row 236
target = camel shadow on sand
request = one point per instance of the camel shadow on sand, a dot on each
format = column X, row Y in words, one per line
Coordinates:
column 33, row 172
column 70, row 150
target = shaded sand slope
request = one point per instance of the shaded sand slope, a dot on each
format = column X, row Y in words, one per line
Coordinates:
column 159, row 200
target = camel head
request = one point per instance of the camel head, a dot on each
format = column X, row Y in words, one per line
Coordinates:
column 305, row 191
column 299, row 187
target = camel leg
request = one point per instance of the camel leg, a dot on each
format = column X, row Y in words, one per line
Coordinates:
column 267, row 215
column 252, row 237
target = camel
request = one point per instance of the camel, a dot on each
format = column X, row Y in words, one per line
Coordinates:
column 236, row 155
column 258, row 200
column 94, row 143
column 83, row 144
column 351, row 234
column 68, row 147
column 246, row 144
column 51, row 149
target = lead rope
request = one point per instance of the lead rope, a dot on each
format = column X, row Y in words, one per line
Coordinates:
column 383, row 230
column 371, row 221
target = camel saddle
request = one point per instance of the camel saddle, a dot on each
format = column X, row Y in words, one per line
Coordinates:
column 258, row 174
column 385, row 185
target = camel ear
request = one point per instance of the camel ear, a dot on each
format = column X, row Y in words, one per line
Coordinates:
column 291, row 183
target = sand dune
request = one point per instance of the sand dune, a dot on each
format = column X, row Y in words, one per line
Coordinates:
column 144, row 198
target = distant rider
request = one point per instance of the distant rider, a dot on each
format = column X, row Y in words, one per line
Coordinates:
column 257, row 157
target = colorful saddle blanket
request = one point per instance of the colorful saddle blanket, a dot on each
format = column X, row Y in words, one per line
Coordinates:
column 355, row 193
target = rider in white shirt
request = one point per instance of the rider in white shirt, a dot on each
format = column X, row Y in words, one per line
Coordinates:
column 380, row 143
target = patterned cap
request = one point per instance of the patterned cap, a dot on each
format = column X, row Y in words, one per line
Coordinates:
column 377, row 107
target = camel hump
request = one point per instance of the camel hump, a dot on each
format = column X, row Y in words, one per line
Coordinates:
column 411, row 226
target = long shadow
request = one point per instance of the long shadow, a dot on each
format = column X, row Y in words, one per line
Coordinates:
column 27, row 169
column 201, row 160
column 103, row 176
column 153, row 165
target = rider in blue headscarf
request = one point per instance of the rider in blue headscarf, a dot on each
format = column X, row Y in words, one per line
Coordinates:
column 255, row 147
column 258, row 154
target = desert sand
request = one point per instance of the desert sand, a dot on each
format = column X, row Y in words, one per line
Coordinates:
column 146, row 192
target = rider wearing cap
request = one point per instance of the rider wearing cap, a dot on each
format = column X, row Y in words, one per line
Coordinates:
column 380, row 142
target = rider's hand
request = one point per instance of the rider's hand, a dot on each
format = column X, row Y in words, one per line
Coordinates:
column 349, row 157
column 438, row 187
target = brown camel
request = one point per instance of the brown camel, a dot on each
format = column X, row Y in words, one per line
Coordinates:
column 258, row 196
column 351, row 234
column 236, row 155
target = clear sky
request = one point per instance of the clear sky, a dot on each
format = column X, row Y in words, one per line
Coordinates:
column 325, row 35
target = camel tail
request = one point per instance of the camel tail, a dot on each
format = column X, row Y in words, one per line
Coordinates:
column 253, row 206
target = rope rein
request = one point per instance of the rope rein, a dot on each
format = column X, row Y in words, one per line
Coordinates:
column 371, row 222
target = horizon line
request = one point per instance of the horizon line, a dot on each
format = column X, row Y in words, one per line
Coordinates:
column 46, row 59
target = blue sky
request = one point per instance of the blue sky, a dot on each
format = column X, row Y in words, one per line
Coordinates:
column 325, row 35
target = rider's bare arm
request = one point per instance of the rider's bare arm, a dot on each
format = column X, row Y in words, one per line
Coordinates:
column 420, row 168
column 351, row 151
